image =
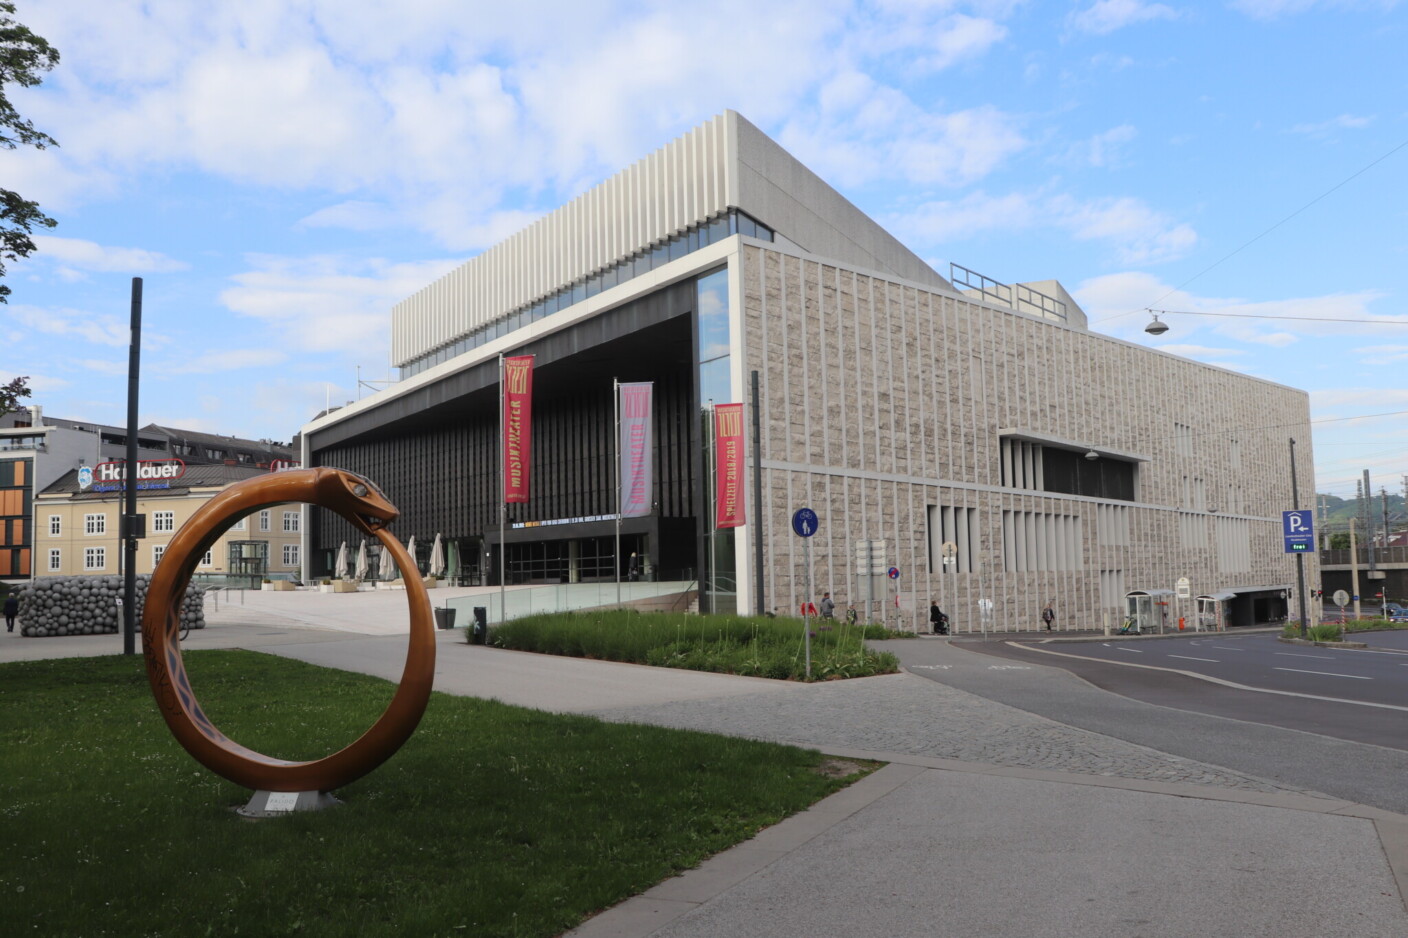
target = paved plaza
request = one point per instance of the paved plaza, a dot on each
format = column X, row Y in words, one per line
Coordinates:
column 987, row 820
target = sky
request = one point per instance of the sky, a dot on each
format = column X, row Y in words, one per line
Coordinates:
column 281, row 172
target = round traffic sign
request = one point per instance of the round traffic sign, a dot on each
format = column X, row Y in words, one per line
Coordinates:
column 950, row 550
column 1341, row 598
column 804, row 522
column 893, row 573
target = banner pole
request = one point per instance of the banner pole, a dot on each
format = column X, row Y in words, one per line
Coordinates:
column 616, row 448
column 503, row 497
column 713, row 505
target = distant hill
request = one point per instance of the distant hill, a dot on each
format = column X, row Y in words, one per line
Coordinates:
column 1337, row 512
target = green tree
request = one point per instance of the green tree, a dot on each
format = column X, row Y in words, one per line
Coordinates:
column 24, row 57
column 1339, row 541
column 11, row 393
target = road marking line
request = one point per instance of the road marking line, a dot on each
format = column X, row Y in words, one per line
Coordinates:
column 1357, row 677
column 1191, row 658
column 1229, row 647
column 1132, row 651
column 1210, row 679
column 1296, row 654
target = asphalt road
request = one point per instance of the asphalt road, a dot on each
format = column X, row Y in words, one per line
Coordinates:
column 1371, row 677
column 1345, row 750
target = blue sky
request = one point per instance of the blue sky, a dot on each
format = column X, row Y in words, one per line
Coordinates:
column 280, row 172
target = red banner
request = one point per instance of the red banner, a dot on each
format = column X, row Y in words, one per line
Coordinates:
column 728, row 462
column 635, row 450
column 518, row 426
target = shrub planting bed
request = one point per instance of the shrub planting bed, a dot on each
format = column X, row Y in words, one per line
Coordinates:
column 750, row 646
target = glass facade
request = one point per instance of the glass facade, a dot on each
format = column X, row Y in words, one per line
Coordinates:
column 642, row 262
column 720, row 583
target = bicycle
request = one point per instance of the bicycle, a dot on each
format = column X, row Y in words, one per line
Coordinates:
column 1130, row 627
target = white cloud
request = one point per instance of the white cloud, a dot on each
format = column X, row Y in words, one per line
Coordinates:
column 1383, row 354
column 90, row 327
column 1137, row 233
column 328, row 303
column 1106, row 16
column 1140, row 234
column 1117, row 303
column 229, row 360
column 78, row 254
column 1326, row 128
column 1274, row 9
column 1104, row 149
column 962, row 37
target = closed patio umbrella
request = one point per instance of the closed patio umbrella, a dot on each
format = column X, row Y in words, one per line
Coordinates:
column 437, row 558
column 362, row 565
column 411, row 549
column 387, row 568
column 341, row 568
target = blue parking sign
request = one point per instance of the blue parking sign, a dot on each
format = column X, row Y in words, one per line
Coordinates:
column 1298, row 529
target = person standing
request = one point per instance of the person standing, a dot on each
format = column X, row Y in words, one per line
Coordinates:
column 1048, row 616
column 851, row 614
column 12, row 609
column 828, row 608
column 937, row 620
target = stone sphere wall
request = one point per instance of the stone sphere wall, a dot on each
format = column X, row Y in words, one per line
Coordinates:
column 87, row 605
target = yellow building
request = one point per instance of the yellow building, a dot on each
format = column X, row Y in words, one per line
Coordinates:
column 76, row 523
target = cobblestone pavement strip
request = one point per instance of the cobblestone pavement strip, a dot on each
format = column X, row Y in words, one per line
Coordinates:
column 907, row 714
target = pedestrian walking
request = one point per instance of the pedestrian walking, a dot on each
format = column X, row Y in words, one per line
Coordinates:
column 12, row 609
column 828, row 608
column 937, row 620
column 851, row 614
column 1048, row 616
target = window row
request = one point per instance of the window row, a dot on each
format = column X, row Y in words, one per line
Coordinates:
column 164, row 522
column 642, row 262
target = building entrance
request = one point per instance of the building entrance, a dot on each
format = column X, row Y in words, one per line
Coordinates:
column 579, row 560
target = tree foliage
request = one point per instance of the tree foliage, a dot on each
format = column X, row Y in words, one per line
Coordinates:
column 11, row 393
column 24, row 57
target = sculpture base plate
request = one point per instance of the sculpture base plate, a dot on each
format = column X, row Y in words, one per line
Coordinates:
column 280, row 803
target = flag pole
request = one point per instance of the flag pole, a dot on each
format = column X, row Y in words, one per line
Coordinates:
column 713, row 509
column 616, row 448
column 503, row 496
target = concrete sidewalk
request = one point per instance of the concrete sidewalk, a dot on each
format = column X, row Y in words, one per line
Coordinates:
column 987, row 821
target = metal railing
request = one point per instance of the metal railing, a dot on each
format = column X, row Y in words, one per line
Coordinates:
column 1382, row 555
column 1021, row 298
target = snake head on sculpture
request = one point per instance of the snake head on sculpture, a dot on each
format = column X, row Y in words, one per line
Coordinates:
column 355, row 498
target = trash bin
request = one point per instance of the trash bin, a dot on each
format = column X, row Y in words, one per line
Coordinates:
column 479, row 634
column 445, row 618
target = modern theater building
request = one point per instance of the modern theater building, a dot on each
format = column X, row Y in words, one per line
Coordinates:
column 974, row 433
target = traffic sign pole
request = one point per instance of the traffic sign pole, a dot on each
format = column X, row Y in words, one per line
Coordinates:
column 1300, row 556
column 804, row 526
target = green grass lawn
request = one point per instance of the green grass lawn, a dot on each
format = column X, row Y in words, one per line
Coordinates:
column 752, row 646
column 492, row 820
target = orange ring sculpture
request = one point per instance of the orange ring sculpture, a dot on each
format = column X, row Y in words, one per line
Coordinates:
column 361, row 503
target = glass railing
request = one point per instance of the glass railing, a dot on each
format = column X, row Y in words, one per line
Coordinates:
column 566, row 597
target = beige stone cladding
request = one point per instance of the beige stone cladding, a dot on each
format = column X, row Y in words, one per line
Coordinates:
column 882, row 405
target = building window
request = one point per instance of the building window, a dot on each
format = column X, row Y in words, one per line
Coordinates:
column 55, row 560
column 158, row 550
column 291, row 522
column 1112, row 589
column 264, row 522
column 208, row 559
column 95, row 524
column 1034, row 540
column 163, row 521
column 1182, row 439
column 56, row 524
column 1234, row 544
column 1035, row 467
column 290, row 555
column 956, row 526
column 94, row 558
column 238, row 525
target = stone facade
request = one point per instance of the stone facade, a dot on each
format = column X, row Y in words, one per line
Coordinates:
column 884, row 401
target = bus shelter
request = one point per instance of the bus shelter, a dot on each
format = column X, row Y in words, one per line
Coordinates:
column 1214, row 611
column 1149, row 609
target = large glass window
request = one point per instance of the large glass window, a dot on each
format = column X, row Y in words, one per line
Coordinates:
column 95, row 524
column 715, row 363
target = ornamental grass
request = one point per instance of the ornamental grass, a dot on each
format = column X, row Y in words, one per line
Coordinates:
column 752, row 646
